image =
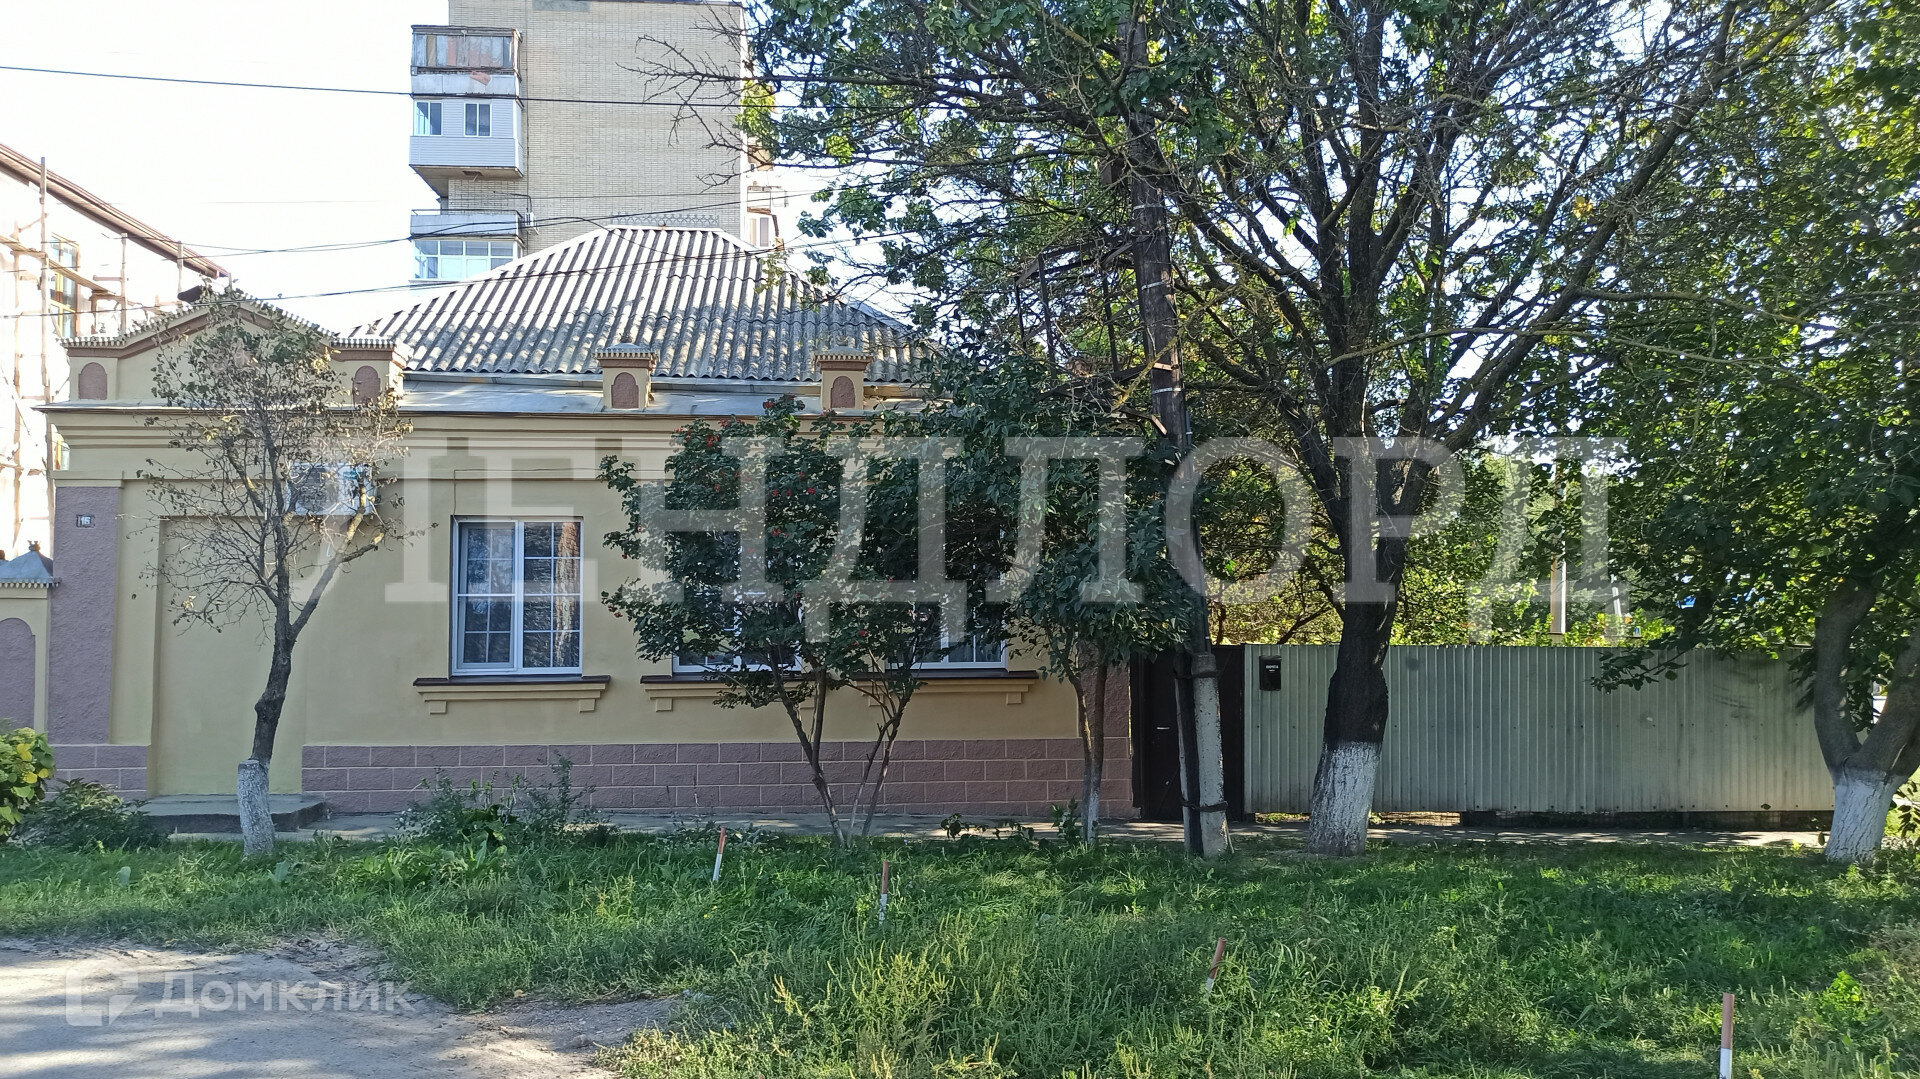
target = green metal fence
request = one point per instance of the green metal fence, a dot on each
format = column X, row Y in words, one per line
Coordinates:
column 1523, row 730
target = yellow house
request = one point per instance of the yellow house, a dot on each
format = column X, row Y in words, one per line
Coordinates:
column 477, row 644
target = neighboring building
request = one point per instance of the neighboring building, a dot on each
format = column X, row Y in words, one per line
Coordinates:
column 516, row 385
column 535, row 123
column 76, row 265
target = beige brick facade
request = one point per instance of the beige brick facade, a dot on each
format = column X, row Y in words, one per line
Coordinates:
column 589, row 164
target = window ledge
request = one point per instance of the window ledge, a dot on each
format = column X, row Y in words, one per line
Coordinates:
column 1013, row 686
column 584, row 690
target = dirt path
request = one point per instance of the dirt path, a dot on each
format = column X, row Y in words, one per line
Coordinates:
column 313, row 1010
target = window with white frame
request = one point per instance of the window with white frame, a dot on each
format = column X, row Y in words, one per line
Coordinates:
column 457, row 260
column 976, row 649
column 517, row 599
column 426, row 117
column 762, row 230
column 479, row 120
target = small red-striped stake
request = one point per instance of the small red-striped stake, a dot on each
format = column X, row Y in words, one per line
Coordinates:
column 719, row 854
column 1213, row 972
column 1726, row 1036
column 885, row 875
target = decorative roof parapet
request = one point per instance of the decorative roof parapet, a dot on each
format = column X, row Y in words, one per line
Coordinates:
column 29, row 570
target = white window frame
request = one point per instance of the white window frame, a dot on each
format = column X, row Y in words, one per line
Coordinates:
column 512, row 246
column 944, row 664
column 457, row 615
column 429, row 117
column 477, row 120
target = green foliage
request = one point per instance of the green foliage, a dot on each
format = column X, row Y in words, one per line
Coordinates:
column 83, row 815
column 1904, row 821
column 1003, row 958
column 757, row 645
column 26, row 763
column 1773, row 503
column 1066, row 821
column 492, row 817
column 982, row 401
column 1387, row 220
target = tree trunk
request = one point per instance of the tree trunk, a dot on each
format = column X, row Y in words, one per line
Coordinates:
column 1356, row 724
column 256, row 813
column 251, row 787
column 1212, row 771
column 1159, row 331
column 1861, row 802
column 891, row 732
column 1866, row 769
column 1093, row 725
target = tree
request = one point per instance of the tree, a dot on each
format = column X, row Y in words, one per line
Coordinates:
column 751, row 521
column 273, row 488
column 1007, row 490
column 1775, row 498
column 1390, row 220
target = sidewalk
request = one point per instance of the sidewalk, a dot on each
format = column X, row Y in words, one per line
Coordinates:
column 927, row 826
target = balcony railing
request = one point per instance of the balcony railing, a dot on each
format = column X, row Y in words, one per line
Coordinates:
column 500, row 224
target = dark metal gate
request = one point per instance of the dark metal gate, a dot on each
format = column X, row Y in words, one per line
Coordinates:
column 1156, row 742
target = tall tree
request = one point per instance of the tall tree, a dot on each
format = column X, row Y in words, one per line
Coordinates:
column 1390, row 219
column 272, row 489
column 1775, row 500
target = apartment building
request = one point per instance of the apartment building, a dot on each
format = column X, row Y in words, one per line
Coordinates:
column 536, row 121
column 75, row 265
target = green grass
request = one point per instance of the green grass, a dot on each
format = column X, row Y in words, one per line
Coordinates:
column 1001, row 960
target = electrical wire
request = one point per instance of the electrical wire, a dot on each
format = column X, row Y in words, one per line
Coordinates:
column 518, row 276
column 237, row 84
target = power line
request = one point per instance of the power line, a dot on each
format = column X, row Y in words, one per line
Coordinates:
column 526, row 276
column 231, row 83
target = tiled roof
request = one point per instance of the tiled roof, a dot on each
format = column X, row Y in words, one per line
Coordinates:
column 710, row 305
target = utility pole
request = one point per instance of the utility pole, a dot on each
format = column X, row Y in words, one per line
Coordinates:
column 46, row 352
column 1203, row 785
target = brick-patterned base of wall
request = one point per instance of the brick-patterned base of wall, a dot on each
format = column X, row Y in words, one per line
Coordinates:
column 1003, row 776
column 124, row 768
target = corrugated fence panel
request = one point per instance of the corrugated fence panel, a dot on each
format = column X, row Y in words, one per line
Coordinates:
column 1523, row 730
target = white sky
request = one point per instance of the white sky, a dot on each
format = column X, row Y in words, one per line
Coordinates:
column 222, row 167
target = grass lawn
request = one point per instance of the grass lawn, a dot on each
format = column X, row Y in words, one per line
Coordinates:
column 998, row 959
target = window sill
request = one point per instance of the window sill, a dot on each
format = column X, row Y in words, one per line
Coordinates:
column 584, row 690
column 1013, row 686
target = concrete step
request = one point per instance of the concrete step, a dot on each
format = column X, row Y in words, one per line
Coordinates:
column 219, row 813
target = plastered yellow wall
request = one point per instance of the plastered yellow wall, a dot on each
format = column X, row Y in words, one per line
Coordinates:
column 188, row 691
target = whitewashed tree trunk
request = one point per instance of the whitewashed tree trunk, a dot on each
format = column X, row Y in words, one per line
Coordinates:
column 256, row 814
column 1861, row 801
column 1213, row 789
column 1342, row 797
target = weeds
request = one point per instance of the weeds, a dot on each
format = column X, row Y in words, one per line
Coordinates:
column 83, row 815
column 1004, row 958
column 486, row 817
